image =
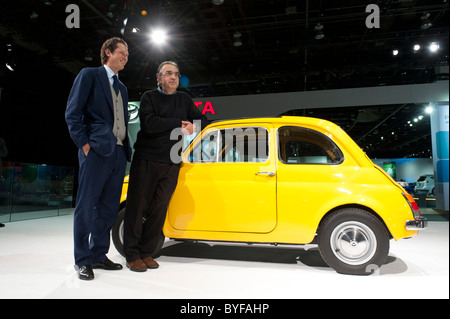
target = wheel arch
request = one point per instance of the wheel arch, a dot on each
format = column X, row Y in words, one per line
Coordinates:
column 365, row 208
column 123, row 204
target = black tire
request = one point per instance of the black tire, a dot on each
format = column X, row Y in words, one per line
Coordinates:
column 117, row 236
column 117, row 232
column 353, row 241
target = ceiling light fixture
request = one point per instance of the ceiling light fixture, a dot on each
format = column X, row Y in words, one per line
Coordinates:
column 10, row 66
column 416, row 47
column 237, row 39
column 434, row 46
column 319, row 32
column 425, row 22
column 218, row 2
column 395, row 52
column 158, row 36
column 88, row 55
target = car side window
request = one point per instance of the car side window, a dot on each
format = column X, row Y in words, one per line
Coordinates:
column 244, row 145
column 206, row 150
column 232, row 145
column 298, row 145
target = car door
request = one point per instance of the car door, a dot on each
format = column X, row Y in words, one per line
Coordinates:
column 227, row 182
column 310, row 176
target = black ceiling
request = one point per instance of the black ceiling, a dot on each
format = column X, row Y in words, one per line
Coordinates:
column 279, row 52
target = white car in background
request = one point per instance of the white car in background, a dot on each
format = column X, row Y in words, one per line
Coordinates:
column 425, row 183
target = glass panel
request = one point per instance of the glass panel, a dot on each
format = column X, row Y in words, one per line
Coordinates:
column 33, row 191
column 299, row 145
column 206, row 150
column 5, row 191
column 244, row 144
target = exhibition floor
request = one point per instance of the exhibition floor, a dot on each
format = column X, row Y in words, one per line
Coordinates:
column 36, row 262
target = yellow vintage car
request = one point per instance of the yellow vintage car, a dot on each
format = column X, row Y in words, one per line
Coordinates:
column 287, row 180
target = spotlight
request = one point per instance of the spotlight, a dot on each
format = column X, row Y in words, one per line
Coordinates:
column 319, row 32
column 88, row 55
column 416, row 47
column 218, row 2
column 425, row 22
column 429, row 109
column 237, row 43
column 237, row 39
column 34, row 15
column 394, row 52
column 433, row 47
column 10, row 66
column 159, row 36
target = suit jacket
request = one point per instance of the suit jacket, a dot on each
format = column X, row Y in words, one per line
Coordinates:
column 90, row 115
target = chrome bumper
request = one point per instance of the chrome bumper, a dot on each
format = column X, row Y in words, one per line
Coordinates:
column 417, row 224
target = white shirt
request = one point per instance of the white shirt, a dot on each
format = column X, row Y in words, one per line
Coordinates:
column 110, row 74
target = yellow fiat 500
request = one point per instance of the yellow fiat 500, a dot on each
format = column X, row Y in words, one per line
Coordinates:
column 287, row 180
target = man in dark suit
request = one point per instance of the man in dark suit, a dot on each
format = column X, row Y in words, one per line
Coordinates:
column 97, row 118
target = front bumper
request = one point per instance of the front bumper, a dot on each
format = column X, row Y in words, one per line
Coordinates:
column 417, row 224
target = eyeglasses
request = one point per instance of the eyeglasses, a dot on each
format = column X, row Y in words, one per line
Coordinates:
column 170, row 73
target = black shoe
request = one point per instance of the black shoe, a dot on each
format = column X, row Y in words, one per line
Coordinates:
column 2, row 225
column 107, row 265
column 85, row 273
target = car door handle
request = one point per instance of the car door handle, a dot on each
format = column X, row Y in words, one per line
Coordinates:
column 266, row 173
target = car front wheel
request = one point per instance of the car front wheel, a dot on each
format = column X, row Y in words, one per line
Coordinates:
column 353, row 241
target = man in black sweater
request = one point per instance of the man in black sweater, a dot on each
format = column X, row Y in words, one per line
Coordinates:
column 154, row 172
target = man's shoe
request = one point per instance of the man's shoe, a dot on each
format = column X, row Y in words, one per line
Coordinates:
column 137, row 265
column 150, row 262
column 85, row 273
column 107, row 265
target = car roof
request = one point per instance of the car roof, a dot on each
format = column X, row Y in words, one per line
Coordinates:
column 279, row 119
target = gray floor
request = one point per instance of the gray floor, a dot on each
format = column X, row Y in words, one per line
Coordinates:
column 36, row 262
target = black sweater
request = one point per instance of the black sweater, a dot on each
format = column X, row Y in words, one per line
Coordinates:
column 159, row 114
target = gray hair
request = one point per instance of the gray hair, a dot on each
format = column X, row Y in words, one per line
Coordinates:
column 158, row 72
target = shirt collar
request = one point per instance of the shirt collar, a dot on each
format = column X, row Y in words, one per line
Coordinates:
column 165, row 93
column 110, row 72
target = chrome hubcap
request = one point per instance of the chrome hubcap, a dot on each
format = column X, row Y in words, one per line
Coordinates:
column 121, row 232
column 353, row 243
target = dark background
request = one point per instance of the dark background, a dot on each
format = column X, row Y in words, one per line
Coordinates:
column 279, row 53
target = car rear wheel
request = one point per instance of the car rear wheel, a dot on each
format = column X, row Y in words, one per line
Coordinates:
column 117, row 236
column 353, row 241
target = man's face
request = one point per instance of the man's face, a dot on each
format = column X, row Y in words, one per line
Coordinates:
column 118, row 58
column 169, row 78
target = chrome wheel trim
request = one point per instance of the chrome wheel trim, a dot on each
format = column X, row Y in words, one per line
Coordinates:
column 353, row 243
column 121, row 232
